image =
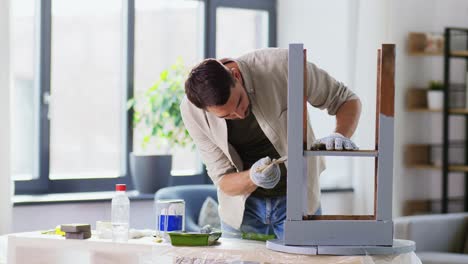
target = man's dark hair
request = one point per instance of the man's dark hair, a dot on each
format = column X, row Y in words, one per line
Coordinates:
column 209, row 84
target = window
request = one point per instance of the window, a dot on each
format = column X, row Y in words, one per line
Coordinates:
column 74, row 86
column 24, row 113
column 252, row 23
column 236, row 27
column 165, row 32
column 76, row 63
column 85, row 90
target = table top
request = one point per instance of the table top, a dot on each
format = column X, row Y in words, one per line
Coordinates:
column 145, row 250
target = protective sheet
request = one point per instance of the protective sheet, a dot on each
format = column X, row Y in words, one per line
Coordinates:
column 403, row 258
column 192, row 256
column 34, row 248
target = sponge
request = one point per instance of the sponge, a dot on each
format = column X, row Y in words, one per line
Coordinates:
column 75, row 228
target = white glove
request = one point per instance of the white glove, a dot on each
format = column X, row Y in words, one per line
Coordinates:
column 335, row 141
column 267, row 178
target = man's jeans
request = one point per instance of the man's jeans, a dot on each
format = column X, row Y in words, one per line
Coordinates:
column 262, row 216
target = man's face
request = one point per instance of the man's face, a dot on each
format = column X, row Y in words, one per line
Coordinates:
column 237, row 106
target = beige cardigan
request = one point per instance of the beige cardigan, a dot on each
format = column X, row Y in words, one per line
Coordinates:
column 265, row 75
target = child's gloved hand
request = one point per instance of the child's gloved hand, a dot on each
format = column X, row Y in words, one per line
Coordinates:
column 335, row 141
column 268, row 177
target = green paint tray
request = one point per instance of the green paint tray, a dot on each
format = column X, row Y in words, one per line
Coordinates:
column 194, row 239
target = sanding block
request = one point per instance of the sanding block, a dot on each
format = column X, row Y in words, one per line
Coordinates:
column 79, row 235
column 76, row 228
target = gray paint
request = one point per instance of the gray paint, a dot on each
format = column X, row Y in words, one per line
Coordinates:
column 399, row 247
column 385, row 169
column 339, row 232
column 334, row 236
column 295, row 207
column 367, row 153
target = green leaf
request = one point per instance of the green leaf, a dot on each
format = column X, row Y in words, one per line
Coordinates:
column 130, row 103
column 157, row 112
column 163, row 75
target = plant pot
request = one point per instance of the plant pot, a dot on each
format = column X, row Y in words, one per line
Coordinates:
column 435, row 99
column 150, row 172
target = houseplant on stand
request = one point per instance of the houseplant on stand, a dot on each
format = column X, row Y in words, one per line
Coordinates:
column 435, row 95
column 157, row 123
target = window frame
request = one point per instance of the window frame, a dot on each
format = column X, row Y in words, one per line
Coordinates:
column 41, row 183
column 210, row 19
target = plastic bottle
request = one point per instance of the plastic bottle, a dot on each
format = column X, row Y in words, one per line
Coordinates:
column 120, row 214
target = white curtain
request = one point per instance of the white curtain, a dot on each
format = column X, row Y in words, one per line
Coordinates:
column 5, row 187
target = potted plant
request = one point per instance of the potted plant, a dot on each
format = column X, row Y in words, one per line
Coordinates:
column 157, row 123
column 435, row 95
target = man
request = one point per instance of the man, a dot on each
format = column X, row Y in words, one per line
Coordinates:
column 235, row 111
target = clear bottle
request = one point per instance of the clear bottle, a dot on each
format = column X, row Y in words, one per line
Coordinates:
column 120, row 214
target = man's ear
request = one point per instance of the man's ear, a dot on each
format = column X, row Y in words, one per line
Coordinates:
column 236, row 73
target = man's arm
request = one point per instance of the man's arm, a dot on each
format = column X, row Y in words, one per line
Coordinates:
column 325, row 92
column 263, row 173
column 217, row 164
column 237, row 183
column 347, row 117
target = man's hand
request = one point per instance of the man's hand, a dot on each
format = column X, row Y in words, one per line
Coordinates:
column 335, row 141
column 267, row 178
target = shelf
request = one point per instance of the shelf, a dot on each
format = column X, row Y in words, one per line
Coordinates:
column 425, row 44
column 415, row 207
column 424, row 156
column 459, row 111
column 424, row 167
column 459, row 29
column 431, row 205
column 424, row 110
column 425, row 53
column 453, row 168
column 454, row 111
column 459, row 54
column 345, row 153
column 462, row 168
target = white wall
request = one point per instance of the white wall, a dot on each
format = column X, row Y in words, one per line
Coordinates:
column 5, row 205
column 372, row 31
column 142, row 215
column 342, row 37
column 390, row 22
column 48, row 216
column 327, row 29
column 416, row 72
